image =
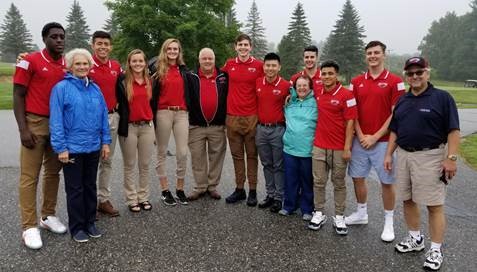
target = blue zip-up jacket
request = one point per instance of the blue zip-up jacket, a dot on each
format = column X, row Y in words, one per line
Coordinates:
column 300, row 116
column 78, row 116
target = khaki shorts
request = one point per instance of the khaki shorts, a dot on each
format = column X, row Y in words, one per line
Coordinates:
column 418, row 176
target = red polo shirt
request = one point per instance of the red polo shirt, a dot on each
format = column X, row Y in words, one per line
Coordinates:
column 172, row 89
column 316, row 79
column 271, row 99
column 334, row 109
column 139, row 107
column 241, row 99
column 375, row 98
column 208, row 95
column 105, row 75
column 38, row 72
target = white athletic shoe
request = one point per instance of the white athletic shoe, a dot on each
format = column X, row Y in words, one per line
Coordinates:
column 317, row 221
column 356, row 218
column 340, row 225
column 53, row 224
column 32, row 239
column 434, row 259
column 388, row 231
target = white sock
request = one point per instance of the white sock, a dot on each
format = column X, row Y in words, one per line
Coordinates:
column 362, row 208
column 389, row 214
column 436, row 246
column 416, row 234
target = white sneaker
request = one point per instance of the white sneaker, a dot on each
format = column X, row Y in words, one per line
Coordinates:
column 356, row 218
column 340, row 225
column 388, row 231
column 317, row 221
column 32, row 239
column 434, row 259
column 53, row 224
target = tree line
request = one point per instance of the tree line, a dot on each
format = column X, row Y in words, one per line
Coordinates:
column 450, row 44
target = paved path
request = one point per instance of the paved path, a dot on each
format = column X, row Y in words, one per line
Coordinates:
column 213, row 236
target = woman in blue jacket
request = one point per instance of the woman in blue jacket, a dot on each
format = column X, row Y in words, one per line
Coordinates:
column 300, row 115
column 79, row 135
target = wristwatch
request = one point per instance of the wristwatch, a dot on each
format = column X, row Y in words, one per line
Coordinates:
column 452, row 157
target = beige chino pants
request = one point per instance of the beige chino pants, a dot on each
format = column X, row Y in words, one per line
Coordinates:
column 207, row 147
column 138, row 146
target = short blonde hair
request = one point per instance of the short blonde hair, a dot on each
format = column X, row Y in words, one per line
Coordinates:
column 69, row 57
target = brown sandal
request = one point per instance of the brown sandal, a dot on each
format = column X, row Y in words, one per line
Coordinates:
column 146, row 205
column 134, row 208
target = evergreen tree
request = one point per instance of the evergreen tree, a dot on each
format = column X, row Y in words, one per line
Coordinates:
column 14, row 35
column 77, row 31
column 197, row 24
column 256, row 31
column 111, row 25
column 345, row 43
column 292, row 44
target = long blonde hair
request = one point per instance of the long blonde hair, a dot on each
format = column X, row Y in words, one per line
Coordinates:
column 162, row 63
column 130, row 77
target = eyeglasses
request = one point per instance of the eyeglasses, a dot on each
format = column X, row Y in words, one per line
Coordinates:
column 417, row 73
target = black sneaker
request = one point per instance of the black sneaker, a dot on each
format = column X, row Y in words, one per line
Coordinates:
column 181, row 197
column 167, row 198
column 267, row 202
column 237, row 195
column 276, row 206
column 252, row 198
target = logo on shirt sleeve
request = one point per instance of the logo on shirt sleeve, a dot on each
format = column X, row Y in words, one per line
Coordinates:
column 351, row 102
column 24, row 64
column 400, row 86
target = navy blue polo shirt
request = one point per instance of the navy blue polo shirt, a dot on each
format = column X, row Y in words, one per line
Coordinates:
column 424, row 121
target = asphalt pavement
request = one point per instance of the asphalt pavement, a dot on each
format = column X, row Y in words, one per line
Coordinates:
column 210, row 235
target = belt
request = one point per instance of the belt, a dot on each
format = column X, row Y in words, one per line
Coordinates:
column 415, row 149
column 141, row 123
column 276, row 124
column 113, row 111
column 173, row 108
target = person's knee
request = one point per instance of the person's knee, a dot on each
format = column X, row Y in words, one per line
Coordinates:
column 434, row 210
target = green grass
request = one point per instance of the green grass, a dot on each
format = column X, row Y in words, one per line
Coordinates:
column 463, row 96
column 6, row 69
column 6, row 97
column 468, row 150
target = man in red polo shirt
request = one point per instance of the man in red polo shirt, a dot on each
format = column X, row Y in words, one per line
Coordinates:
column 311, row 60
column 35, row 76
column 207, row 111
column 332, row 145
column 376, row 93
column 105, row 72
column 241, row 120
column 272, row 91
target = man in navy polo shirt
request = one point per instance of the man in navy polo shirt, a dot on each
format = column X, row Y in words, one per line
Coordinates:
column 424, row 120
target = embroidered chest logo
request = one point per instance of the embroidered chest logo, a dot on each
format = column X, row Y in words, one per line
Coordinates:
column 382, row 85
column 361, row 85
column 276, row 92
column 334, row 102
column 44, row 69
column 424, row 110
column 252, row 70
column 318, row 82
column 114, row 73
column 91, row 71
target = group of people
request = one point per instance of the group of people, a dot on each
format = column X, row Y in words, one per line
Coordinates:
column 72, row 110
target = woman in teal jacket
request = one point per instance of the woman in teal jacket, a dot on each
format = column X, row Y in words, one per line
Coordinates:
column 301, row 115
column 79, row 132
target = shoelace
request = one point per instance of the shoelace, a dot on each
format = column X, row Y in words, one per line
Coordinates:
column 434, row 255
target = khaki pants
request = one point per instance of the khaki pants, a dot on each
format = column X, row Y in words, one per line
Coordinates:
column 324, row 161
column 178, row 123
column 31, row 161
column 207, row 170
column 105, row 166
column 241, row 132
column 140, row 142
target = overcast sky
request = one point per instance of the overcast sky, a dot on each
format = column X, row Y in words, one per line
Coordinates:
column 399, row 24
